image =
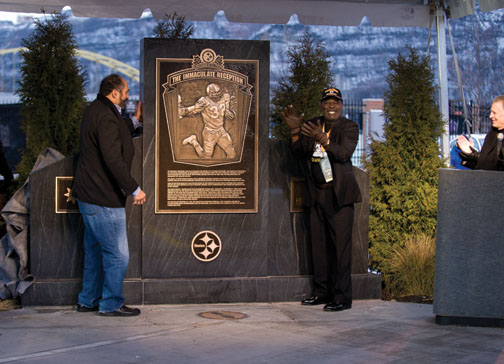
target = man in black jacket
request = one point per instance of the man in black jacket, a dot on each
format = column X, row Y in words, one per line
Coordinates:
column 102, row 183
column 324, row 145
column 491, row 156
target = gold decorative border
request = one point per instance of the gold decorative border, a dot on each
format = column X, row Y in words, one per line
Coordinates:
column 255, row 208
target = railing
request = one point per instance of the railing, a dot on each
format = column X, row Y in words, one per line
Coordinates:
column 478, row 116
column 353, row 110
column 8, row 99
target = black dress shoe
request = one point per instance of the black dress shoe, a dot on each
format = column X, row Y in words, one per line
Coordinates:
column 86, row 309
column 122, row 311
column 314, row 300
column 337, row 306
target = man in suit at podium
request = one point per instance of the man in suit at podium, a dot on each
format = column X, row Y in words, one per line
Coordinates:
column 491, row 156
column 325, row 145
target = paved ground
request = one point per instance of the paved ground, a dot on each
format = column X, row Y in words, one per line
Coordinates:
column 372, row 331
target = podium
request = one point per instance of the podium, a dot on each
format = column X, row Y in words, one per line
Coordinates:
column 469, row 278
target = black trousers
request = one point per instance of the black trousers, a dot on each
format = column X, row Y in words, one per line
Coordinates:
column 331, row 238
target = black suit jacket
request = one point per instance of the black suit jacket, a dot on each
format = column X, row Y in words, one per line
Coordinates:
column 102, row 176
column 488, row 158
column 343, row 141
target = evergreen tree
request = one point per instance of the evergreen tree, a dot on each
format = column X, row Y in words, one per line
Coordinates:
column 309, row 74
column 173, row 26
column 403, row 168
column 51, row 91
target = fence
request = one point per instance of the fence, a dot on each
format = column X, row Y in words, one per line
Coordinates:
column 11, row 135
column 478, row 116
column 353, row 111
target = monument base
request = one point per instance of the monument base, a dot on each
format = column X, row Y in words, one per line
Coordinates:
column 198, row 290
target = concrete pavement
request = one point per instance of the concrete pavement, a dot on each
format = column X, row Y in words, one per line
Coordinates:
column 373, row 331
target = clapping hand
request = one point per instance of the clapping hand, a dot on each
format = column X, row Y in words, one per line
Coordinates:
column 314, row 131
column 292, row 119
column 465, row 145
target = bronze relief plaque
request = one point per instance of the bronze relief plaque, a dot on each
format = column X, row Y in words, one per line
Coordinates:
column 206, row 134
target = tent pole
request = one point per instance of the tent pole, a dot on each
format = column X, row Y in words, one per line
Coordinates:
column 443, row 82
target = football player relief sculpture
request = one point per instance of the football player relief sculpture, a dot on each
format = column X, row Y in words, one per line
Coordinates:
column 215, row 108
column 207, row 108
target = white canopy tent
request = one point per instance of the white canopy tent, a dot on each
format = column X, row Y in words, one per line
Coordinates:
column 401, row 13
column 321, row 12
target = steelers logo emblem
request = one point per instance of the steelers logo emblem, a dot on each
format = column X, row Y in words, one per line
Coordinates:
column 206, row 246
column 208, row 55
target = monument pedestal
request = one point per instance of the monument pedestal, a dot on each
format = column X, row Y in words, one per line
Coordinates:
column 469, row 280
column 56, row 253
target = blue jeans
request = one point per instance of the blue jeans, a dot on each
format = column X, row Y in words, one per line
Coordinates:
column 106, row 256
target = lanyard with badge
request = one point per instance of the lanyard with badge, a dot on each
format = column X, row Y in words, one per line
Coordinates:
column 320, row 156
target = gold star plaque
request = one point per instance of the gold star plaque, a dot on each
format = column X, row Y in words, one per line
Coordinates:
column 64, row 201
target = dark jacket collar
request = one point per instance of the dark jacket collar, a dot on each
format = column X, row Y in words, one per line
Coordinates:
column 108, row 103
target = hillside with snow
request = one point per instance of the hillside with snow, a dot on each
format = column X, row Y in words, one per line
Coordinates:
column 359, row 54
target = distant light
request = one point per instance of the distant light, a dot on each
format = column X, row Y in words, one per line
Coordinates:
column 147, row 13
column 220, row 17
column 365, row 21
column 294, row 20
column 67, row 10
